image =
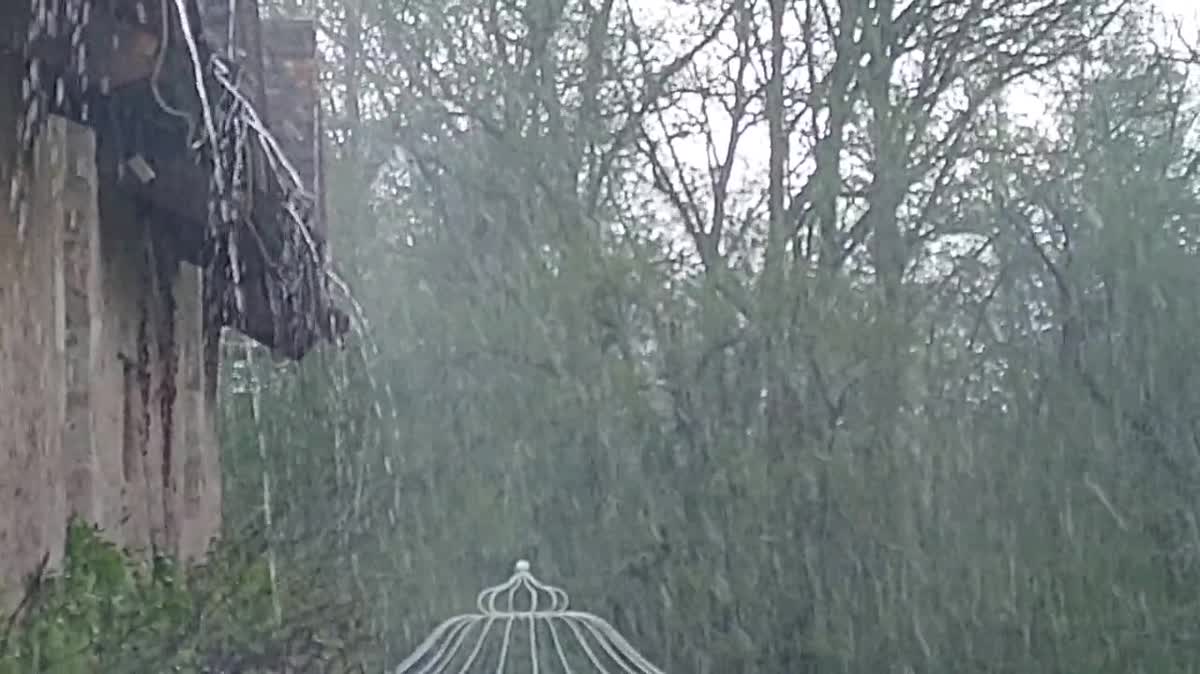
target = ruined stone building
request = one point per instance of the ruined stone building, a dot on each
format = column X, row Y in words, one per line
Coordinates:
column 161, row 170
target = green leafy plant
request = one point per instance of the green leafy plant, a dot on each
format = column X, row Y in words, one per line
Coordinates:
column 108, row 610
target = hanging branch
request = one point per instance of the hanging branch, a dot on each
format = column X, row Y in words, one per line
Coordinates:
column 225, row 135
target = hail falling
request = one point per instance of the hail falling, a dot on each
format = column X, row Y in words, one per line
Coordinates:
column 40, row 90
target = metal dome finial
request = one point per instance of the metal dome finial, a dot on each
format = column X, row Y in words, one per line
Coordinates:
column 520, row 619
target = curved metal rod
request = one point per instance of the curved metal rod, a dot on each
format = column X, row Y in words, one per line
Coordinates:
column 525, row 602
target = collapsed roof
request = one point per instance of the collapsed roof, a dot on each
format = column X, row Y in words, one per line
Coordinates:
column 208, row 116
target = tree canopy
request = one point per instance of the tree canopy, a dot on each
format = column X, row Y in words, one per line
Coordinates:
column 806, row 336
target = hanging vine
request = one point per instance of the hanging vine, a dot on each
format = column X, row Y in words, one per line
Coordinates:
column 226, row 135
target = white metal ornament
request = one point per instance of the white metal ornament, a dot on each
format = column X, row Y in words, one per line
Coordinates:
column 530, row 626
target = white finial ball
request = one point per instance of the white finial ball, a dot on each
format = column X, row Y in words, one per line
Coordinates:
column 523, row 566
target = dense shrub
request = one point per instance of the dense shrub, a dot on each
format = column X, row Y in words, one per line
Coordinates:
column 107, row 610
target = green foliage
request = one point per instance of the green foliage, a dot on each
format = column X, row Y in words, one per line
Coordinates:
column 987, row 465
column 108, row 611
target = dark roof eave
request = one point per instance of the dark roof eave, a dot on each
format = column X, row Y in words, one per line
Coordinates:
column 180, row 190
column 118, row 73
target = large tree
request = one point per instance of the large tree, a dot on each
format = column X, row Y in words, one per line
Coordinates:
column 773, row 330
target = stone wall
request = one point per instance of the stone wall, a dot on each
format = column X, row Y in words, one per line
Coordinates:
column 106, row 404
column 32, row 406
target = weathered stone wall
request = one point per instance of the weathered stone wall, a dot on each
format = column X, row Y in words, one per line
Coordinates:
column 106, row 407
column 31, row 356
column 149, row 346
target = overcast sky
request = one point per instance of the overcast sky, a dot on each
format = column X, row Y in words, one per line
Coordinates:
column 1187, row 11
column 1181, row 8
column 1025, row 102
